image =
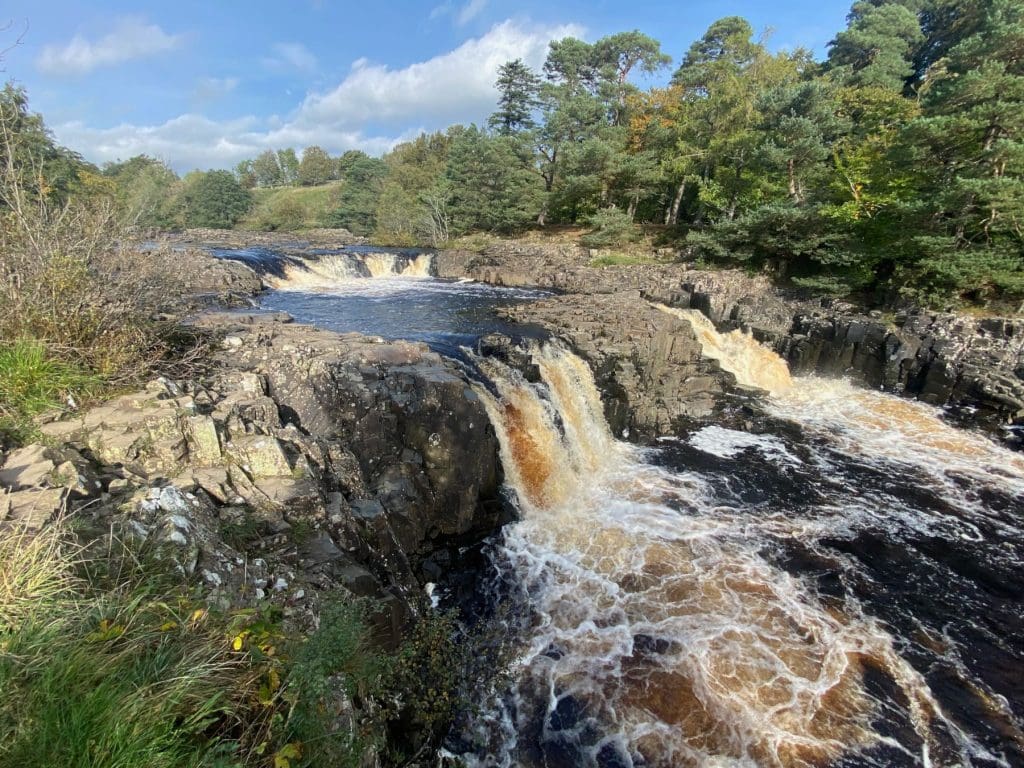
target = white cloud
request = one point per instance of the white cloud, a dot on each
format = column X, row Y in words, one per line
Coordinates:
column 291, row 56
column 470, row 11
column 457, row 86
column 130, row 38
column 193, row 141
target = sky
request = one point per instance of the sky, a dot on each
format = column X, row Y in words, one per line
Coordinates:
column 207, row 83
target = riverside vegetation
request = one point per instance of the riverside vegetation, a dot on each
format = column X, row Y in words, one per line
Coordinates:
column 111, row 653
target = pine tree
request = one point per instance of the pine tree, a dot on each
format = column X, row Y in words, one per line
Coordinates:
column 517, row 87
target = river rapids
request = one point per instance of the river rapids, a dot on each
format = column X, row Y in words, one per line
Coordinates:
column 844, row 587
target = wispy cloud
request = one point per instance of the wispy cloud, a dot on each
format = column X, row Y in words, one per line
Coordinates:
column 130, row 38
column 461, row 14
column 470, row 11
column 213, row 88
column 291, row 56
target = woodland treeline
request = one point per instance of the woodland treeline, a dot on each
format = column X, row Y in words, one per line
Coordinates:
column 892, row 170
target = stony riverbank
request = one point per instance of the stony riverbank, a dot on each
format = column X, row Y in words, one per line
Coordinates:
column 304, row 462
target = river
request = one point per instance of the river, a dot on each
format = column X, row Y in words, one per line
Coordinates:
column 842, row 588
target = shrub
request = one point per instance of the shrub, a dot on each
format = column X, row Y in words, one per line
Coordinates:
column 609, row 227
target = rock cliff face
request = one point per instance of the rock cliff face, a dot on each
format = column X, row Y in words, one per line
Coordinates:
column 973, row 365
column 305, row 462
column 647, row 363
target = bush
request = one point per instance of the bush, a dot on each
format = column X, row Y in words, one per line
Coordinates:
column 609, row 227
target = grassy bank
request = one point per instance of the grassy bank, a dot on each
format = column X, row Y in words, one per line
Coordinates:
column 290, row 209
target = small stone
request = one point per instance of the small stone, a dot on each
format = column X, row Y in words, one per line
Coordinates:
column 232, row 342
column 280, row 585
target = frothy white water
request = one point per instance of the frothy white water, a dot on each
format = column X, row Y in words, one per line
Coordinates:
column 876, row 427
column 729, row 443
column 739, row 353
column 657, row 623
column 327, row 272
column 862, row 424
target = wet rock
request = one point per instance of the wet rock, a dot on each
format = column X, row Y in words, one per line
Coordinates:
column 647, row 363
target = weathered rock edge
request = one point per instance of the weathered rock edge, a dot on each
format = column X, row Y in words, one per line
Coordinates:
column 305, row 463
column 973, row 365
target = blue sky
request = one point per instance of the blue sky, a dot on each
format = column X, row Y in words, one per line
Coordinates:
column 205, row 84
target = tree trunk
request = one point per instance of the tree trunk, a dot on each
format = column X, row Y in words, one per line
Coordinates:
column 672, row 214
column 790, row 168
column 633, row 203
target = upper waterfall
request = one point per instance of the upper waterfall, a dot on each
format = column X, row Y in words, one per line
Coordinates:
column 326, row 271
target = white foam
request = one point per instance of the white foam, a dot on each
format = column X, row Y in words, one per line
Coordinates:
column 730, row 443
column 752, row 667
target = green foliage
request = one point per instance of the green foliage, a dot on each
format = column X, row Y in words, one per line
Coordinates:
column 518, row 89
column 33, row 381
column 147, row 190
column 316, row 167
column 356, row 207
column 334, row 667
column 490, row 188
column 110, row 673
column 214, row 199
column 613, row 259
column 43, row 168
column 610, row 226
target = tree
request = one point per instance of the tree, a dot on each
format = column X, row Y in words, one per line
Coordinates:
column 245, row 174
column 973, row 129
column 214, row 199
column 518, row 98
column 316, row 167
column 44, row 168
column 267, row 169
column 147, row 190
column 877, row 48
column 615, row 57
column 489, row 188
column 289, row 165
column 357, row 203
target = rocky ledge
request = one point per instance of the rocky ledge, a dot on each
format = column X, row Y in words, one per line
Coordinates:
column 302, row 463
column 647, row 363
column 973, row 365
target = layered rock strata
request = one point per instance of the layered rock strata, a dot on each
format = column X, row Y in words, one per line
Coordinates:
column 306, row 462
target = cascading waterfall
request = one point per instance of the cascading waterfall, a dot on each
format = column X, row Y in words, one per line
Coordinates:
column 737, row 352
column 329, row 271
column 660, row 635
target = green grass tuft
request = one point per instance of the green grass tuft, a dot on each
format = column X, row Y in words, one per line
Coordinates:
column 32, row 381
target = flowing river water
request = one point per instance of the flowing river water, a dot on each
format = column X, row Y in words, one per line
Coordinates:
column 843, row 588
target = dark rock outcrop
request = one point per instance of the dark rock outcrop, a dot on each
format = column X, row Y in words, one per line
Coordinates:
column 647, row 363
column 304, row 463
column 974, row 365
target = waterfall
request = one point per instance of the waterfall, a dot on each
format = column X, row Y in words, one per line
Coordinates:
column 861, row 422
column 327, row 271
column 659, row 632
column 739, row 353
